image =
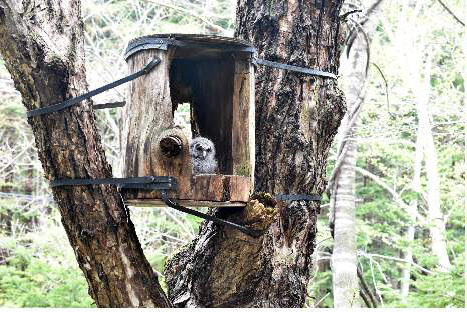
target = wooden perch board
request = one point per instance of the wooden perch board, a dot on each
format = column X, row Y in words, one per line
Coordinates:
column 204, row 190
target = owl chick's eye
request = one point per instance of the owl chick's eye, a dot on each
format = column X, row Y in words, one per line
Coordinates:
column 199, row 148
column 209, row 150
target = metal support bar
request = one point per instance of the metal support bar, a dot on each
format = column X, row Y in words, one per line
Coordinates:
column 149, row 182
column 303, row 70
column 78, row 99
column 109, row 105
column 243, row 229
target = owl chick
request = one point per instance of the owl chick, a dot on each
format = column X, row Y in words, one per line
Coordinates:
column 203, row 156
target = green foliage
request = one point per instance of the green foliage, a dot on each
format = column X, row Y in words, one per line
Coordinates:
column 387, row 133
column 322, row 298
column 12, row 108
column 442, row 290
column 320, row 286
column 31, row 282
column 40, row 270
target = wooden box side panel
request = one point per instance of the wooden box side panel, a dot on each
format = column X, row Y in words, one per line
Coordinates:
column 243, row 121
column 147, row 113
column 251, row 127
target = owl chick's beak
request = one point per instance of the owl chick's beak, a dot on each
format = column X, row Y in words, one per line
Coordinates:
column 205, row 154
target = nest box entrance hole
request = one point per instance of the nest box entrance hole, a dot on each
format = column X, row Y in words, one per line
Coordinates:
column 207, row 85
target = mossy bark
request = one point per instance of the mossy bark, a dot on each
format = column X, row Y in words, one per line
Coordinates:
column 42, row 45
column 297, row 118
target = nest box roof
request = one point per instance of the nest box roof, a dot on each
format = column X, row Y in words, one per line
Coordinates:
column 189, row 45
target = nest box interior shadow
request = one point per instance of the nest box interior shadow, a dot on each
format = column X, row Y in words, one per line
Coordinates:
column 215, row 75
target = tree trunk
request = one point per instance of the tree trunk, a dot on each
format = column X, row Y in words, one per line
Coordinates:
column 412, row 212
column 414, row 55
column 42, row 45
column 344, row 256
column 297, row 118
column 422, row 89
column 437, row 229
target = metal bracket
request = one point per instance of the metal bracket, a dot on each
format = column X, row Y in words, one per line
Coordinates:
column 148, row 183
column 303, row 70
column 169, row 202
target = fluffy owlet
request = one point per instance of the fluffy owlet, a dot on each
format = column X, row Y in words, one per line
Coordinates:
column 203, row 156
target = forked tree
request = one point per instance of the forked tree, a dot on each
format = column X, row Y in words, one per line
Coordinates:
column 297, row 117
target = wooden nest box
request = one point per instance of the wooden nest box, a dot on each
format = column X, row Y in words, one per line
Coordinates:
column 215, row 76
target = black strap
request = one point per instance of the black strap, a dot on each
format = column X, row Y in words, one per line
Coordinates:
column 76, row 100
column 291, row 197
column 109, row 105
column 149, row 182
column 303, row 70
column 162, row 42
column 162, row 183
column 241, row 228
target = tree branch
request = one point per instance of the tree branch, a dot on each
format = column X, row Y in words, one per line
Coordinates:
column 381, row 183
column 374, row 283
column 342, row 149
column 366, row 289
column 452, row 13
column 369, row 255
column 387, row 89
column 189, row 12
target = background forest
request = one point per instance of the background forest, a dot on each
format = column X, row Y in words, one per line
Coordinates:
column 409, row 138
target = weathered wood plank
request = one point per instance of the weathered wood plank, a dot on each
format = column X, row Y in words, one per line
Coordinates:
column 240, row 119
column 147, row 113
column 215, row 188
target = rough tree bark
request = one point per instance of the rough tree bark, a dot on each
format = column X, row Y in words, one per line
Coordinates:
column 42, row 45
column 296, row 120
column 344, row 256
